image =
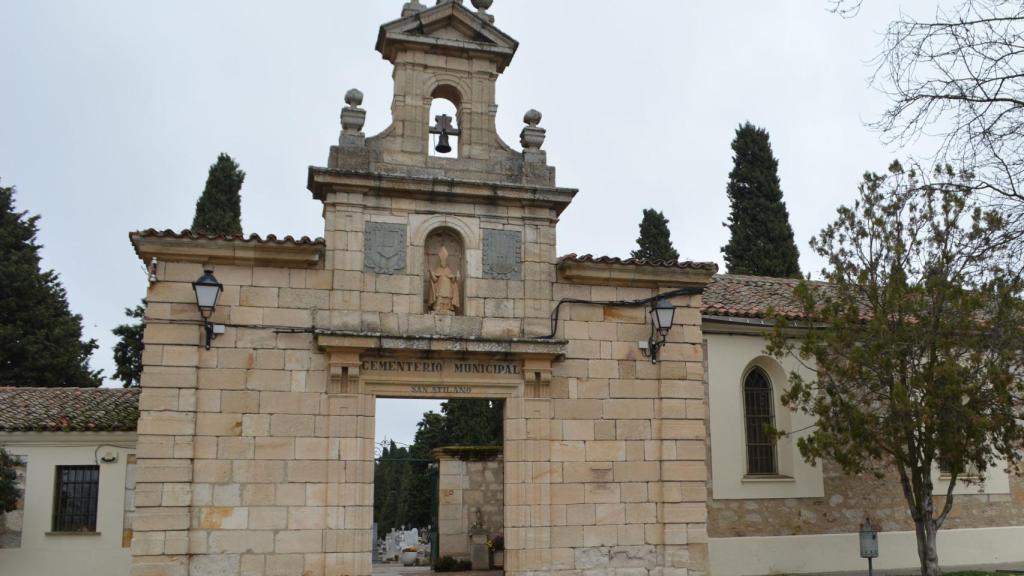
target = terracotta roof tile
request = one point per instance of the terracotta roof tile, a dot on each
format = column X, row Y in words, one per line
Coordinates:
column 252, row 238
column 68, row 409
column 684, row 265
column 751, row 297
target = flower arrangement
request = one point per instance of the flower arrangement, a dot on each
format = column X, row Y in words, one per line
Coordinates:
column 496, row 543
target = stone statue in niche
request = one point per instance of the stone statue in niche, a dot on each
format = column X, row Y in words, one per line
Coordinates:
column 444, row 286
column 444, row 272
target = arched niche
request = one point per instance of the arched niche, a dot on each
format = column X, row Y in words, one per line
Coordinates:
column 444, row 272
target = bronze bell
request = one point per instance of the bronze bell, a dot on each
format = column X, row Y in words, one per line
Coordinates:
column 444, row 130
column 443, row 147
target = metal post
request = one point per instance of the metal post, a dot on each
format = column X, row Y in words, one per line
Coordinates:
column 871, row 568
column 435, row 531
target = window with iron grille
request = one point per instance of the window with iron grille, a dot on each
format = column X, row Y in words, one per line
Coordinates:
column 758, row 409
column 75, row 497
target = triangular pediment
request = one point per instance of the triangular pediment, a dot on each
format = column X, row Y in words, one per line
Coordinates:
column 447, row 26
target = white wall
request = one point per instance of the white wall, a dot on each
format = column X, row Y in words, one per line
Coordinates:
column 828, row 553
column 730, row 357
column 41, row 554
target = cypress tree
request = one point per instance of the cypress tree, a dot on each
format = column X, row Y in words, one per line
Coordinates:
column 404, row 483
column 128, row 350
column 761, row 239
column 219, row 209
column 655, row 242
column 40, row 339
column 470, row 422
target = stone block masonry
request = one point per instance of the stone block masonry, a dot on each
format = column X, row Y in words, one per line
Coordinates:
column 246, row 463
column 849, row 499
column 598, row 474
column 436, row 278
column 471, row 489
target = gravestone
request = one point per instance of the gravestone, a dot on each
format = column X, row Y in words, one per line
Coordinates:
column 479, row 555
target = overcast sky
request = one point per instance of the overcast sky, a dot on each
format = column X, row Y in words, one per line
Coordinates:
column 111, row 113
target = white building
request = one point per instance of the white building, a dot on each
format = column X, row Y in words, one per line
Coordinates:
column 76, row 448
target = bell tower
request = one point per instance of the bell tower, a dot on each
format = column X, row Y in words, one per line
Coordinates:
column 451, row 53
column 458, row 246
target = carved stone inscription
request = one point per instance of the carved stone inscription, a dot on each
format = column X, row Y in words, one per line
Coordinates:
column 448, row 368
column 503, row 254
column 385, row 248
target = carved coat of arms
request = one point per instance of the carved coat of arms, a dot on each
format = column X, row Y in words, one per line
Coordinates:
column 502, row 254
column 385, row 247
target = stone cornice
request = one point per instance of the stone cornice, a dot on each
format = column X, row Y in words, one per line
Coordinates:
column 323, row 181
column 471, row 453
column 414, row 32
column 633, row 274
column 735, row 325
column 420, row 344
column 118, row 439
column 346, row 351
column 229, row 251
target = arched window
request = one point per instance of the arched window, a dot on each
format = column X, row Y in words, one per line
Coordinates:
column 758, row 404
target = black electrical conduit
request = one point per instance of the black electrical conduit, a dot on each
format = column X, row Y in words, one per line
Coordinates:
column 554, row 313
column 621, row 303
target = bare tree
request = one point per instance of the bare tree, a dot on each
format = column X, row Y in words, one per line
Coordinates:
column 845, row 8
column 960, row 78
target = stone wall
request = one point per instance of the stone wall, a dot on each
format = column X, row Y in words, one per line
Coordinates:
column 244, row 464
column 606, row 467
column 470, row 492
column 848, row 500
column 365, row 299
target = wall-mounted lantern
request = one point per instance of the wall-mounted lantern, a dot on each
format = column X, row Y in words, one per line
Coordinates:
column 869, row 543
column 663, row 315
column 208, row 291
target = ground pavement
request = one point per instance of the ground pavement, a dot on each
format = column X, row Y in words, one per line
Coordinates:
column 399, row 570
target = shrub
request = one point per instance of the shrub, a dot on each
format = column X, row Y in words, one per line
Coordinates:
column 449, row 564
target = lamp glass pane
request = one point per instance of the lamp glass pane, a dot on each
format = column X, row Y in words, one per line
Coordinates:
column 207, row 295
column 663, row 315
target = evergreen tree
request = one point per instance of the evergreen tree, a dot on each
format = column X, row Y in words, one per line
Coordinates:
column 473, row 422
column 40, row 339
column 761, row 239
column 403, row 482
column 9, row 492
column 219, row 209
column 655, row 240
column 128, row 350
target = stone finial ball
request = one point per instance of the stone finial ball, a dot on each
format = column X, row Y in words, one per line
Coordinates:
column 532, row 117
column 353, row 97
column 482, row 4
